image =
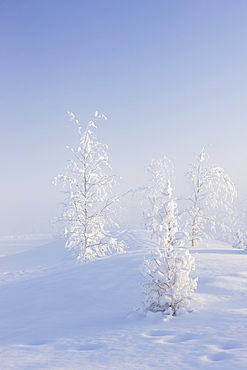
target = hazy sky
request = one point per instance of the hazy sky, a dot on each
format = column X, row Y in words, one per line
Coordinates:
column 171, row 76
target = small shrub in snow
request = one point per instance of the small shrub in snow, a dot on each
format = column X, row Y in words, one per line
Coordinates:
column 87, row 209
column 240, row 241
column 237, row 235
column 168, row 285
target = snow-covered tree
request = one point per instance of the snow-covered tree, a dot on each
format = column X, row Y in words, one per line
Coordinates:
column 155, row 194
column 240, row 241
column 238, row 235
column 212, row 195
column 87, row 209
column 168, row 285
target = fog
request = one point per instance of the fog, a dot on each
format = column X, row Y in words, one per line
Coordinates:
column 170, row 77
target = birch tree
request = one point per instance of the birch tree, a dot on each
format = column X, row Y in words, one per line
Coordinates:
column 212, row 194
column 87, row 210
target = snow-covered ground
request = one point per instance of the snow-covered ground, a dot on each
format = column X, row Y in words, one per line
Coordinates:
column 57, row 314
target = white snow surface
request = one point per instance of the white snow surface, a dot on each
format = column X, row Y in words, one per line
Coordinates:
column 59, row 314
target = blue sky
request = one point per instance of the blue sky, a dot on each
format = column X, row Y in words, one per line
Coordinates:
column 170, row 76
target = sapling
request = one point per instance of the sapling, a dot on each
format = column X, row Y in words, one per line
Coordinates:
column 168, row 286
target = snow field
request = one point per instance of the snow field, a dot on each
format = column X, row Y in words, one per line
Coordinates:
column 58, row 314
